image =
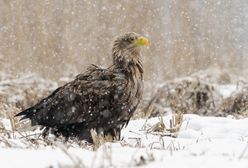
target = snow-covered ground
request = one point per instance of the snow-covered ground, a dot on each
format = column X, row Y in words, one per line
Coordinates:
column 201, row 142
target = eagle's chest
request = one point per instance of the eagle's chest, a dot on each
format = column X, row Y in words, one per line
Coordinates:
column 136, row 88
column 132, row 94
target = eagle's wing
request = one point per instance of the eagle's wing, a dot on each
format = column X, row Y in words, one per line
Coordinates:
column 95, row 93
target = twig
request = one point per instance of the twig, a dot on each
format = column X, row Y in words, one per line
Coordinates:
column 243, row 152
column 76, row 161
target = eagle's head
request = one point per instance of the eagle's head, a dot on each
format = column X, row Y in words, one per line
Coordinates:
column 126, row 48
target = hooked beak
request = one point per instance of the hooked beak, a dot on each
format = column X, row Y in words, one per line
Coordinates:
column 141, row 41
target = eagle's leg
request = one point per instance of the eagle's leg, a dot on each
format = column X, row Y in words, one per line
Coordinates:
column 115, row 133
column 45, row 132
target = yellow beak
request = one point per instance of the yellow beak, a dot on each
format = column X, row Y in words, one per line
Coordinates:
column 141, row 41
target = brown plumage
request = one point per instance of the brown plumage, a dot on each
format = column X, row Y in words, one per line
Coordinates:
column 101, row 99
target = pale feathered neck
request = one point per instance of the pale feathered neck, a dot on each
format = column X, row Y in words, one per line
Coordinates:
column 125, row 57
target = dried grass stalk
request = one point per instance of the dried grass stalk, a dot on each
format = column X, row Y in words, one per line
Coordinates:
column 100, row 139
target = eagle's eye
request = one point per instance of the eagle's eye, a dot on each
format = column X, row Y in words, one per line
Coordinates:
column 129, row 40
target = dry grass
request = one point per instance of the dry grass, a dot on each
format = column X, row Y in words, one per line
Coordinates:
column 60, row 38
column 236, row 104
column 184, row 96
column 175, row 123
column 99, row 140
column 158, row 127
column 19, row 93
column 161, row 129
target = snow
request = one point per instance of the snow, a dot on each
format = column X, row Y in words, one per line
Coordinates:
column 201, row 142
column 57, row 39
column 227, row 90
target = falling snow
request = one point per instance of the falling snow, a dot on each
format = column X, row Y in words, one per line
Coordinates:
column 45, row 44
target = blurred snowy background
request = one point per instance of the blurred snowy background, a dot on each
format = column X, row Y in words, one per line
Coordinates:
column 57, row 38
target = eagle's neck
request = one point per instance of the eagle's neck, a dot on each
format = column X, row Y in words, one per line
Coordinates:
column 129, row 61
column 133, row 70
column 131, row 66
